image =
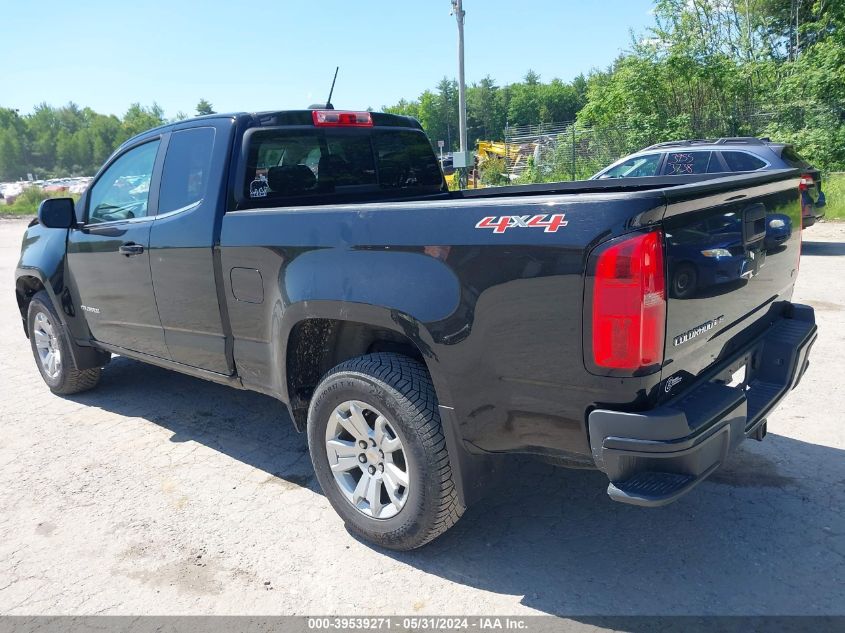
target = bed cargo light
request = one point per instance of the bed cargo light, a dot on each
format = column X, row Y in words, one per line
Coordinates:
column 340, row 118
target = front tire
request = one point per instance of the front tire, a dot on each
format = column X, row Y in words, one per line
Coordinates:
column 379, row 453
column 51, row 349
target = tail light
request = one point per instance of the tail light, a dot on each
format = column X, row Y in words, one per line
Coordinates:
column 629, row 303
column 806, row 182
column 338, row 118
column 804, row 185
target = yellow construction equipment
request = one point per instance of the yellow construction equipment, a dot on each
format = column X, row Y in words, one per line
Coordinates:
column 514, row 155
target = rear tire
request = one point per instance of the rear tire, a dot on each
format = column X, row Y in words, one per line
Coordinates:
column 373, row 425
column 51, row 349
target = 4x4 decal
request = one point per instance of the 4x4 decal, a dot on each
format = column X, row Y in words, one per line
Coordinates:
column 505, row 222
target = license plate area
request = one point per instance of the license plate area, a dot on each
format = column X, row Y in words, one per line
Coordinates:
column 739, row 377
column 738, row 374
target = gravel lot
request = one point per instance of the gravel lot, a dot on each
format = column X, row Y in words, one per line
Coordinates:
column 163, row 494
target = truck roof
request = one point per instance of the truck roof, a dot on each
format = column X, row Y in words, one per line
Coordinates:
column 278, row 118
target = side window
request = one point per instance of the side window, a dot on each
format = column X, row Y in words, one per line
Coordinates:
column 635, row 167
column 715, row 165
column 123, row 191
column 742, row 161
column 686, row 163
column 793, row 158
column 185, row 177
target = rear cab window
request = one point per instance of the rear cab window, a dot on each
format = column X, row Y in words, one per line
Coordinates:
column 299, row 165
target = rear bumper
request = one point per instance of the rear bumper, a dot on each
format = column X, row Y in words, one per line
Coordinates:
column 654, row 457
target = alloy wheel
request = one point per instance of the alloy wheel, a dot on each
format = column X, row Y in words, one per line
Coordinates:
column 47, row 344
column 367, row 459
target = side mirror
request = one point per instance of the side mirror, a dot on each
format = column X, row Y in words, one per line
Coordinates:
column 57, row 213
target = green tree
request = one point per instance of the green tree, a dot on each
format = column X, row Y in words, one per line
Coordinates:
column 106, row 133
column 429, row 116
column 814, row 91
column 204, row 107
column 708, row 69
column 485, row 114
column 559, row 101
column 43, row 128
column 405, row 108
column 11, row 156
column 140, row 119
column 446, row 107
column 490, row 108
column 525, row 101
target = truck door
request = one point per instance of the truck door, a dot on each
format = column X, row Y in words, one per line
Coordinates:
column 108, row 255
column 182, row 245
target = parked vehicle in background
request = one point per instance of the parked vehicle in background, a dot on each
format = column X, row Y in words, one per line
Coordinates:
column 53, row 187
column 722, row 156
column 11, row 190
column 416, row 334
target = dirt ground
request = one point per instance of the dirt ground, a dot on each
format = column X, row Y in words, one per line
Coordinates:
column 163, row 494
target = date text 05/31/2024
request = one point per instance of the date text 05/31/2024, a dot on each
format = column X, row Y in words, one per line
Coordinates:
column 415, row 623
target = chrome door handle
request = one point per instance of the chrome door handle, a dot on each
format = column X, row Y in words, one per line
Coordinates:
column 131, row 248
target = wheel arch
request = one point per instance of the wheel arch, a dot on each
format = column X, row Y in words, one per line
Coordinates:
column 27, row 284
column 315, row 336
column 319, row 335
column 29, row 281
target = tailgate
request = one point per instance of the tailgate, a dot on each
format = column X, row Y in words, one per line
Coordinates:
column 731, row 263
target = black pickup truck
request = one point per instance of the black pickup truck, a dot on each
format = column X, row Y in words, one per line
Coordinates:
column 415, row 333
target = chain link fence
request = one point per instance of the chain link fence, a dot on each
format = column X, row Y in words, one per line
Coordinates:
column 573, row 151
column 562, row 150
column 570, row 151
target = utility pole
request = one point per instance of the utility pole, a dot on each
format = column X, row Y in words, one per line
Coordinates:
column 464, row 162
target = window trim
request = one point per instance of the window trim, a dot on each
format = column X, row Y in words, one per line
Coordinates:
column 185, row 209
column 155, row 180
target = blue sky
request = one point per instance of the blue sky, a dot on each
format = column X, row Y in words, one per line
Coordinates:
column 107, row 54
